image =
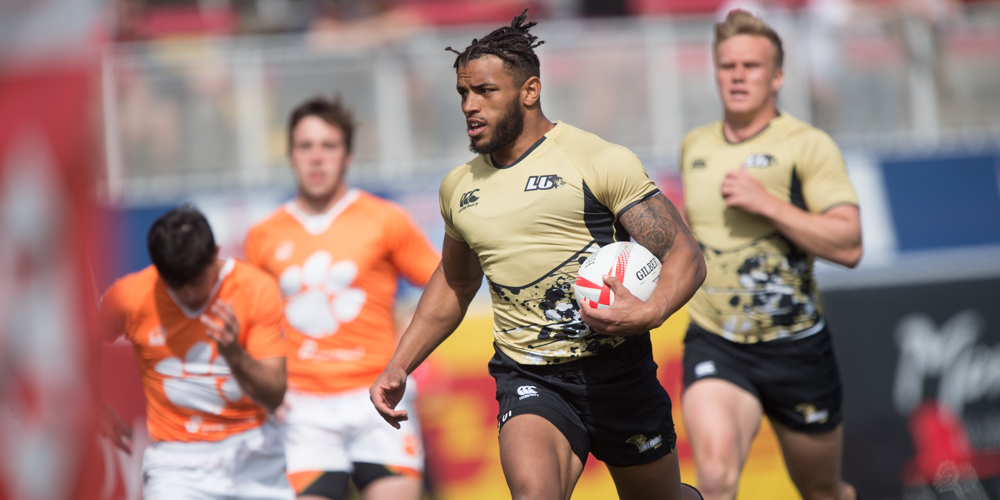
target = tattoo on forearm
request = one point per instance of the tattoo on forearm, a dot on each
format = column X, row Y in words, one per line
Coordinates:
column 654, row 224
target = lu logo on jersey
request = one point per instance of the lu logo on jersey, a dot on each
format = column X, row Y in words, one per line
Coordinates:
column 543, row 182
column 758, row 160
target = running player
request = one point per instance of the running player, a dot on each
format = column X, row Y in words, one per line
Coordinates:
column 207, row 338
column 338, row 253
column 765, row 194
column 526, row 212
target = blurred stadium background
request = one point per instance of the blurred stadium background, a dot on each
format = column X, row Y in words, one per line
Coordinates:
column 112, row 111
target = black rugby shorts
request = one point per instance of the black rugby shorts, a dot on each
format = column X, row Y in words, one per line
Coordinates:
column 611, row 405
column 796, row 381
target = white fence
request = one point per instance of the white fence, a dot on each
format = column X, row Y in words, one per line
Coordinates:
column 183, row 116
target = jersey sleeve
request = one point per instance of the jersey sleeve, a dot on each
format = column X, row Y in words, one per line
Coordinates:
column 620, row 180
column 445, row 195
column 112, row 313
column 823, row 174
column 409, row 250
column 264, row 337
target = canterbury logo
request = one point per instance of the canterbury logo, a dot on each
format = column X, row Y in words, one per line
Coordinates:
column 543, row 182
column 526, row 391
column 644, row 444
column 468, row 198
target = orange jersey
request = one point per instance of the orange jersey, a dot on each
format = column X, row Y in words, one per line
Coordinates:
column 337, row 272
column 190, row 392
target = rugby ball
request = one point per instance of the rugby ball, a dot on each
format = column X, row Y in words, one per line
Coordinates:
column 636, row 267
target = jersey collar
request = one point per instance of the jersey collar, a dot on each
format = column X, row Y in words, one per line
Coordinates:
column 523, row 156
column 752, row 137
column 226, row 270
column 319, row 223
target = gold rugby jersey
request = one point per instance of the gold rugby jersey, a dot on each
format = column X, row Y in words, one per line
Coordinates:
column 760, row 286
column 532, row 223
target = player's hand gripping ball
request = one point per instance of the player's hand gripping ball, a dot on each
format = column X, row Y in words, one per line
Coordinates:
column 637, row 268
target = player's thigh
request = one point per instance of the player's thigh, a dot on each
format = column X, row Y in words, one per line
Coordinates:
column 657, row 480
column 258, row 469
column 721, row 419
column 393, row 487
column 813, row 460
column 537, row 459
column 800, row 385
column 171, row 483
column 720, row 407
column 321, row 485
column 399, row 451
column 801, row 392
column 689, row 492
column 196, row 471
column 316, row 431
column 378, row 481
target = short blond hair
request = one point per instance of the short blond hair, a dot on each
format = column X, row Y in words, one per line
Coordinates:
column 741, row 22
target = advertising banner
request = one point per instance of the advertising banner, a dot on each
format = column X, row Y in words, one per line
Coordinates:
column 48, row 424
column 921, row 370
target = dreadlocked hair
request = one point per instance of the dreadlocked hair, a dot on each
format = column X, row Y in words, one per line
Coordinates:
column 513, row 44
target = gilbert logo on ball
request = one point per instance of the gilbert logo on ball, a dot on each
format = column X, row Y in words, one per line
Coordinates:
column 635, row 266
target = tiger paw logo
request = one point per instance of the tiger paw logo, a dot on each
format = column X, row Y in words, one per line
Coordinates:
column 811, row 414
column 645, row 444
column 201, row 381
column 320, row 297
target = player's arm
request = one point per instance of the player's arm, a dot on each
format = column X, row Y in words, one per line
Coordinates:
column 111, row 323
column 263, row 380
column 834, row 235
column 657, row 225
column 441, row 308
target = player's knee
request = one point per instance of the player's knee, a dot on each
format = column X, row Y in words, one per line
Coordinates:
column 536, row 495
column 717, row 476
column 535, row 490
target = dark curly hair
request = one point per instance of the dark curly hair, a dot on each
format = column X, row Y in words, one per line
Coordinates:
column 513, row 44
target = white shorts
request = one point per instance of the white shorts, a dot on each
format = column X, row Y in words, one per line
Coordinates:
column 332, row 432
column 248, row 465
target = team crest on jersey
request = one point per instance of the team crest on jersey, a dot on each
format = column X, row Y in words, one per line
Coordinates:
column 469, row 200
column 758, row 160
column 543, row 182
column 320, row 294
column 157, row 336
column 284, row 250
column 199, row 381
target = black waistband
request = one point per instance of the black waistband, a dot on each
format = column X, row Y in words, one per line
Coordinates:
column 818, row 330
column 634, row 346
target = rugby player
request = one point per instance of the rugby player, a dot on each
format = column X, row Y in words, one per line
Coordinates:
column 525, row 213
column 207, row 338
column 337, row 252
column 765, row 194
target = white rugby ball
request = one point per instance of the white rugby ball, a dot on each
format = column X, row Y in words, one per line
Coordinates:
column 636, row 267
